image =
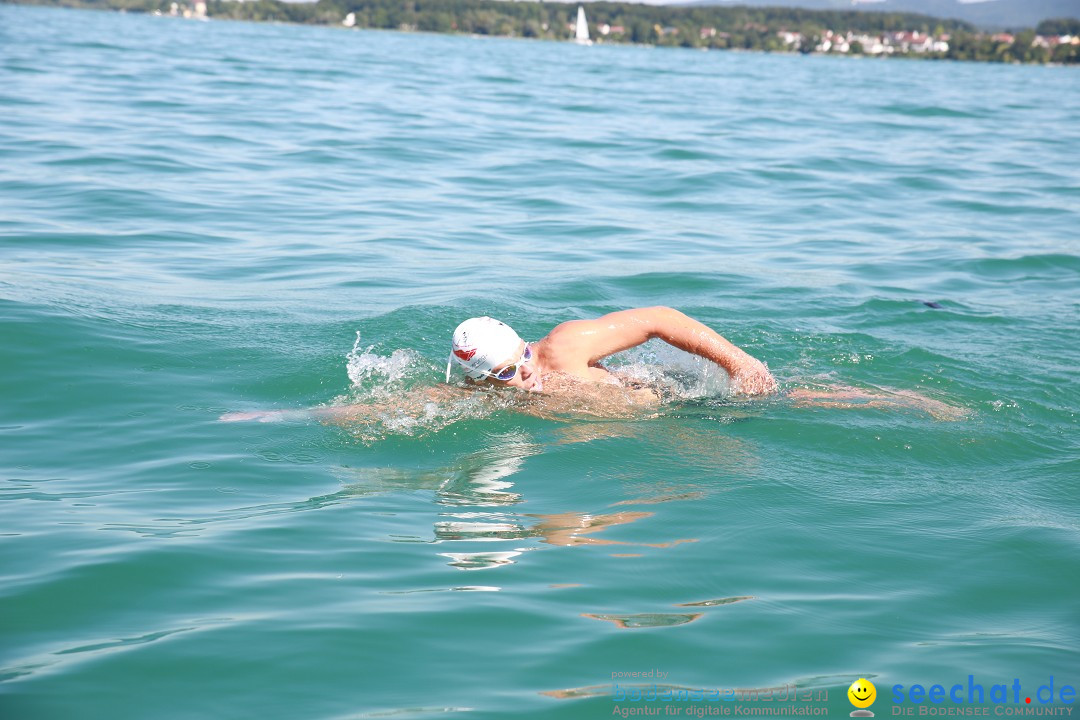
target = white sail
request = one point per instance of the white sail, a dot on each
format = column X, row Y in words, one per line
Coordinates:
column 581, row 33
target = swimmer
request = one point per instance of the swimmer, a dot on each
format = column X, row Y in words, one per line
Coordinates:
column 563, row 368
column 563, row 371
column 490, row 352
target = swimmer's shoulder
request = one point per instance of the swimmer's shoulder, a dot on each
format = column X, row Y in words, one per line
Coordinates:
column 564, row 351
column 566, row 343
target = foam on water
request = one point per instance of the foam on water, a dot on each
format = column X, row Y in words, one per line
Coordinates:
column 679, row 375
column 394, row 395
column 368, row 370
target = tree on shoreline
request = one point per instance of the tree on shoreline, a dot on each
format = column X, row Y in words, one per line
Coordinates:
column 713, row 27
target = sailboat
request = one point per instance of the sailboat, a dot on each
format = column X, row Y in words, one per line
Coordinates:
column 581, row 33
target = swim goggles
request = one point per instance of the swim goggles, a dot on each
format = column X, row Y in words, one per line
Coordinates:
column 510, row 372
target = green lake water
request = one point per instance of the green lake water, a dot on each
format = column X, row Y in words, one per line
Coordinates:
column 198, row 218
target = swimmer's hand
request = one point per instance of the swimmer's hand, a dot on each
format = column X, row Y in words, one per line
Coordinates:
column 753, row 378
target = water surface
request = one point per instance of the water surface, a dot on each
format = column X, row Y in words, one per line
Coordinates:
column 200, row 217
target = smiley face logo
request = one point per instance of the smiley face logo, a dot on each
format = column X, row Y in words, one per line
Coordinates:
column 862, row 693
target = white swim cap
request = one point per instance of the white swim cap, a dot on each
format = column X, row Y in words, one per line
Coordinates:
column 479, row 344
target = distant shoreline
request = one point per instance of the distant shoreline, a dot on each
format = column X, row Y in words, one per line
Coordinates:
column 772, row 30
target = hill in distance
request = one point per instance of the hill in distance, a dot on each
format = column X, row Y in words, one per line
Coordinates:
column 986, row 15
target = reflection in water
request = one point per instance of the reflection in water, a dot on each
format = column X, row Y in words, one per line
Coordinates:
column 476, row 494
column 455, row 530
column 569, row 528
column 717, row 601
column 459, row 588
column 563, row 529
column 482, row 480
column 635, row 621
column 475, row 486
column 646, row 620
column 672, row 497
column 481, row 560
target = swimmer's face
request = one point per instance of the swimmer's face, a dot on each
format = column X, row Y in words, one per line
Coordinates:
column 862, row 693
column 527, row 377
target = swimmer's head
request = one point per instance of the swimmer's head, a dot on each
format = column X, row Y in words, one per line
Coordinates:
column 480, row 344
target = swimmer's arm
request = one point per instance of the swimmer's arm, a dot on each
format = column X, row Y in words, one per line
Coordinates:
column 341, row 413
column 593, row 340
column 846, row 397
column 410, row 403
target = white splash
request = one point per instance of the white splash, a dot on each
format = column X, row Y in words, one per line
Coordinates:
column 393, row 395
column 365, row 366
column 685, row 376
